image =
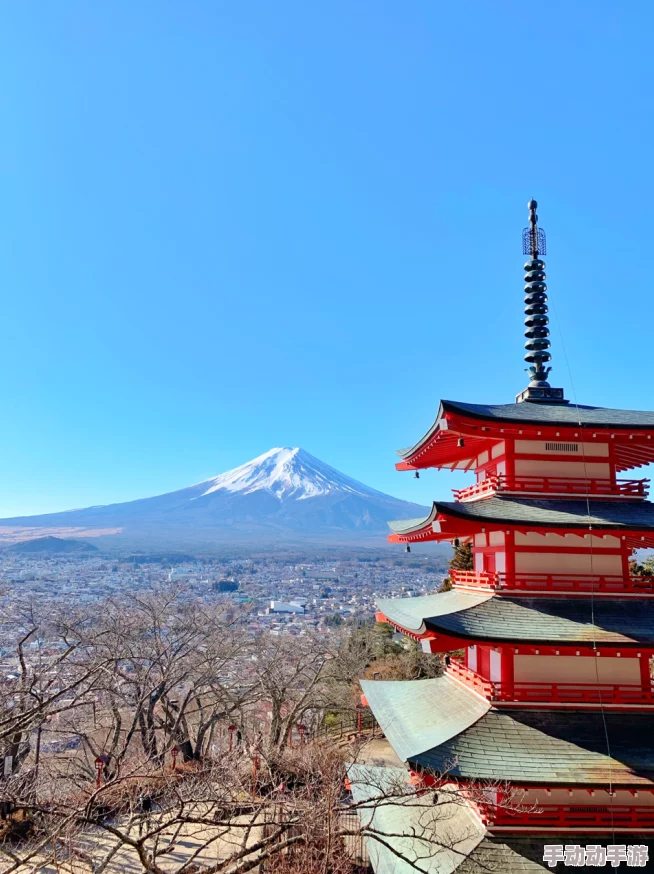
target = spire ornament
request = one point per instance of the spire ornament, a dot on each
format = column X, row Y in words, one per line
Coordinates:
column 536, row 318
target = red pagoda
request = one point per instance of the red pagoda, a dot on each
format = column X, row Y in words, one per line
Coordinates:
column 553, row 693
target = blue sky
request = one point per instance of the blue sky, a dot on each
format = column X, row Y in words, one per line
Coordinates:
column 231, row 226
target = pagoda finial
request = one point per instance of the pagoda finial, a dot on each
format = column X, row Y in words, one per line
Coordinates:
column 536, row 318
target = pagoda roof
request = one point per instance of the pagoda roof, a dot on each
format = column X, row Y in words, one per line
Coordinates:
column 627, row 622
column 533, row 513
column 407, row 711
column 486, row 424
column 550, row 746
column 457, row 839
column 523, row 853
column 522, row 746
column 414, row 613
column 566, row 415
column 415, row 836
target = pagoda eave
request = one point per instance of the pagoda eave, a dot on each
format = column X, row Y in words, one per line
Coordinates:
column 632, row 522
column 440, row 447
column 505, row 620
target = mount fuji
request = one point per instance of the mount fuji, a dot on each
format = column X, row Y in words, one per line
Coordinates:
column 285, row 496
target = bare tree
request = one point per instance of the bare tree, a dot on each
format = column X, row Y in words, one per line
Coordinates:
column 166, row 746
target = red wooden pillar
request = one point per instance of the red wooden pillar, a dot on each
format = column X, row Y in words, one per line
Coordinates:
column 625, row 555
column 612, row 464
column 508, row 671
column 509, row 551
column 510, row 459
column 645, row 680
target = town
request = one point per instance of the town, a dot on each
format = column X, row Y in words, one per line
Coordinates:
column 286, row 594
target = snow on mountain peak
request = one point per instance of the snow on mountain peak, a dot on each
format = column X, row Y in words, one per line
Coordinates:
column 286, row 473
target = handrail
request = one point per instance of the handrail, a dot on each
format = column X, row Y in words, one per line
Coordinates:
column 568, row 815
column 588, row 693
column 534, row 582
column 457, row 668
column 555, row 693
column 629, row 488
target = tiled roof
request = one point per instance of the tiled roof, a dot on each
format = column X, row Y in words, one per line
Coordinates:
column 483, row 616
column 406, row 710
column 627, row 621
column 411, row 613
column 555, row 414
column 458, row 841
column 559, row 513
column 523, row 854
column 550, row 747
column 430, row 838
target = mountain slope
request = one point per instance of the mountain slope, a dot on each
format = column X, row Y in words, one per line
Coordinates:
column 51, row 546
column 283, row 496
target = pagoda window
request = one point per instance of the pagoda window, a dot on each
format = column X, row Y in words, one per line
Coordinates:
column 552, row 562
column 565, row 541
column 471, row 658
column 495, row 666
column 563, row 459
column 498, row 450
column 578, row 469
column 570, row 450
column 575, row 669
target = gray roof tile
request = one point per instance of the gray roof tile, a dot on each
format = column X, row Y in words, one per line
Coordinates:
column 477, row 616
column 523, row 854
column 638, row 515
column 406, row 710
column 626, row 622
column 541, row 746
column 555, row 414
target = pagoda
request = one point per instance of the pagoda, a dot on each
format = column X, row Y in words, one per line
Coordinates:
column 551, row 693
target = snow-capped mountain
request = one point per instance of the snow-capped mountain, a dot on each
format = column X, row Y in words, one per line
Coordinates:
column 285, row 496
column 286, row 473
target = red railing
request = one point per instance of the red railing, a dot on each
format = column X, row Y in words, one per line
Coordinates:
column 579, row 693
column 525, row 583
column 457, row 669
column 555, row 693
column 569, row 816
column 553, row 485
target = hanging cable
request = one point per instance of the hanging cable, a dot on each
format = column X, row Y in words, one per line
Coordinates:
column 592, row 572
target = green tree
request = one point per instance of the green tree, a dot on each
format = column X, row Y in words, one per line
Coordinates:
column 462, row 560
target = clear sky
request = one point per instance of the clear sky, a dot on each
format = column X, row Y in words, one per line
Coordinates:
column 228, row 226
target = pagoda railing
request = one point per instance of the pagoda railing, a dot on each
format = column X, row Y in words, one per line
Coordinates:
column 553, row 485
column 568, row 816
column 524, row 583
column 555, row 693
column 457, row 669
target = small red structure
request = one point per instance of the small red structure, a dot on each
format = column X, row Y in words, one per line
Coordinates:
column 99, row 767
column 174, row 753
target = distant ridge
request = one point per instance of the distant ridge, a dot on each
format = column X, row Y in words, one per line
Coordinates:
column 285, row 497
column 51, row 545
